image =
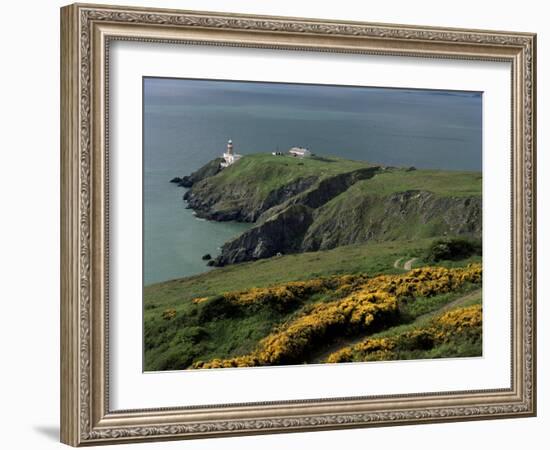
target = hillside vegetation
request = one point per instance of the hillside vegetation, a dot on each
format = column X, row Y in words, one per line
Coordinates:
column 310, row 204
column 228, row 312
column 456, row 333
column 347, row 261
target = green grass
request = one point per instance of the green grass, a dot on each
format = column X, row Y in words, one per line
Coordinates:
column 370, row 193
column 421, row 311
column 423, row 261
column 372, row 258
column 216, row 329
column 204, row 331
column 425, row 305
column 440, row 182
column 267, row 172
column 366, row 205
column 263, row 173
column 464, row 343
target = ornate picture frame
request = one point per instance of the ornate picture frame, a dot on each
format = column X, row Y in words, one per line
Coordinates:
column 87, row 31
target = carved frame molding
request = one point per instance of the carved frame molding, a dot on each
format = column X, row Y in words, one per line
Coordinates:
column 86, row 32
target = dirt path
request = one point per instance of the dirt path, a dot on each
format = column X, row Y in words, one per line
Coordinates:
column 406, row 266
column 320, row 356
column 447, row 306
column 409, row 263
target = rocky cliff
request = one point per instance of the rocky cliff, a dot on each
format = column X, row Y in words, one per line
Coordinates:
column 239, row 202
column 208, row 170
column 310, row 206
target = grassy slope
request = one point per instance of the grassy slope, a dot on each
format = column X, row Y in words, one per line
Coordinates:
column 456, row 348
column 423, row 310
column 442, row 183
column 372, row 258
column 192, row 336
column 265, row 172
column 261, row 173
column 255, row 176
column 376, row 189
column 270, row 172
column 247, row 184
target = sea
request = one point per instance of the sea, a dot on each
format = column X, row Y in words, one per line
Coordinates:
column 186, row 123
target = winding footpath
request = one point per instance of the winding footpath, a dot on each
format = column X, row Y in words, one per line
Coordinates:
column 406, row 266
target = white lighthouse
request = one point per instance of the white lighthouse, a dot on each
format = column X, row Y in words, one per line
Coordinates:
column 229, row 156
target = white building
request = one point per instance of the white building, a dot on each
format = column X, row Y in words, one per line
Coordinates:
column 229, row 156
column 299, row 152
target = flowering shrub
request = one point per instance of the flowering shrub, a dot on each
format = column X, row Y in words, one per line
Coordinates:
column 462, row 320
column 368, row 302
column 459, row 323
column 358, row 311
column 169, row 314
column 380, row 348
column 289, row 293
column 424, row 281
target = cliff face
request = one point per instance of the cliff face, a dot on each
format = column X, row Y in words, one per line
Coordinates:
column 281, row 233
column 208, row 170
column 239, row 203
column 401, row 215
column 323, row 210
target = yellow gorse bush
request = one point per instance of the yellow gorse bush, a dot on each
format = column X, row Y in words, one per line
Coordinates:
column 169, row 314
column 440, row 330
column 379, row 349
column 369, row 301
column 359, row 310
column 423, row 282
column 456, row 321
column 295, row 291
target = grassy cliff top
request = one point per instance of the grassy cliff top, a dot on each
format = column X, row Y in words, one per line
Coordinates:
column 271, row 172
column 267, row 172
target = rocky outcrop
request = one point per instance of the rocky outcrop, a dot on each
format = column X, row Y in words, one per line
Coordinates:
column 208, row 170
column 212, row 203
column 281, row 233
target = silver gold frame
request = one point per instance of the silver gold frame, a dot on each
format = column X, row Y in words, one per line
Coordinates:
column 86, row 34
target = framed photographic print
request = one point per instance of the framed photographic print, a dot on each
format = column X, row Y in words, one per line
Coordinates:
column 275, row 224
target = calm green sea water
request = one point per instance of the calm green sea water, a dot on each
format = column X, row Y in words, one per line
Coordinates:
column 187, row 123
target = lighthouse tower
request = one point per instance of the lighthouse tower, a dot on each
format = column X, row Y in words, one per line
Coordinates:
column 229, row 156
